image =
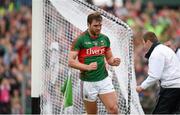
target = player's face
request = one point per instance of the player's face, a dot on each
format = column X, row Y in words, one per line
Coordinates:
column 95, row 27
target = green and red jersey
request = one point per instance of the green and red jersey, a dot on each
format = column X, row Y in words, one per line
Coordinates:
column 92, row 50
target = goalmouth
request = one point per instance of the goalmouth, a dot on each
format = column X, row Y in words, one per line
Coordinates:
column 55, row 24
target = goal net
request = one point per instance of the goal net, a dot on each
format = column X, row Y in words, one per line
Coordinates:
column 64, row 20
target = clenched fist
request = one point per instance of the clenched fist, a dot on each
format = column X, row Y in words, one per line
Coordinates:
column 139, row 89
column 92, row 66
column 116, row 61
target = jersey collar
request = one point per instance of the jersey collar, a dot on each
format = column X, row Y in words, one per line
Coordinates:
column 92, row 37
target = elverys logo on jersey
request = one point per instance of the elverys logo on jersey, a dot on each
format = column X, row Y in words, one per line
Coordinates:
column 95, row 51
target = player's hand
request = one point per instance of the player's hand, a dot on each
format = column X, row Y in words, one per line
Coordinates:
column 139, row 89
column 116, row 61
column 92, row 66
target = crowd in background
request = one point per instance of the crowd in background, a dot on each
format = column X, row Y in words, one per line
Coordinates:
column 15, row 56
column 15, row 47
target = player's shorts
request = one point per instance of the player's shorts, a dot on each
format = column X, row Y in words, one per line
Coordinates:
column 90, row 90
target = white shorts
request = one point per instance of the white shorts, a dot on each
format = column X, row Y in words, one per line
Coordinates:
column 90, row 90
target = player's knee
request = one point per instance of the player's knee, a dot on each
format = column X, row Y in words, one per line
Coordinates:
column 113, row 109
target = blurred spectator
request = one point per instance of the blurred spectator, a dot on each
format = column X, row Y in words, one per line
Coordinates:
column 174, row 45
column 150, row 9
column 171, row 44
column 16, row 107
column 5, row 96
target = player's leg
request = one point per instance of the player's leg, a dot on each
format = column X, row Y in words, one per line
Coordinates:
column 110, row 102
column 89, row 94
column 108, row 95
column 91, row 107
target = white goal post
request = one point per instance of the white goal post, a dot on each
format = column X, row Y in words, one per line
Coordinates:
column 37, row 54
column 55, row 24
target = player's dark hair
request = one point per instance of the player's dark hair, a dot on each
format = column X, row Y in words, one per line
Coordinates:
column 94, row 16
column 151, row 36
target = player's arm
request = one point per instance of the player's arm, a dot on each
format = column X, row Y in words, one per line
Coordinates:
column 111, row 60
column 74, row 63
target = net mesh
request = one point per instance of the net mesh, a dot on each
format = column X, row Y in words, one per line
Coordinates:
column 64, row 20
